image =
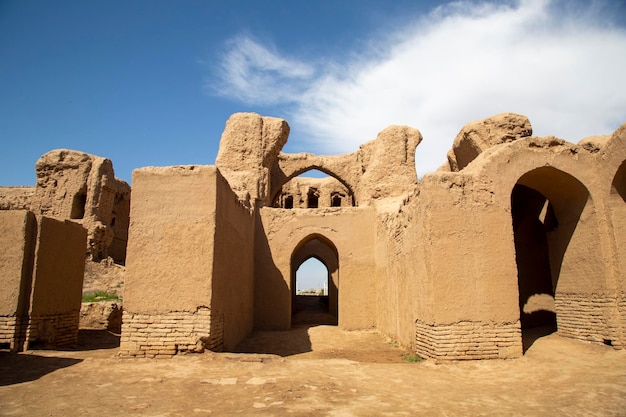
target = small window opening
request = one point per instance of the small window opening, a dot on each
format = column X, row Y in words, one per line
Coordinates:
column 78, row 206
column 288, row 202
column 335, row 200
column 313, row 198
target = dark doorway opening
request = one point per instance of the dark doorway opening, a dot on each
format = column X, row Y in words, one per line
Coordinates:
column 546, row 205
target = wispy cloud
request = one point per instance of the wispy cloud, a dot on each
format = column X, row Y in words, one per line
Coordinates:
column 562, row 66
column 256, row 74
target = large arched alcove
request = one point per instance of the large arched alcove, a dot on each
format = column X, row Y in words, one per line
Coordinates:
column 320, row 309
column 546, row 205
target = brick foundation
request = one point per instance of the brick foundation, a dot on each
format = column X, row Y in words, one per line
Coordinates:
column 468, row 340
column 588, row 318
column 59, row 330
column 7, row 329
column 164, row 335
column 12, row 331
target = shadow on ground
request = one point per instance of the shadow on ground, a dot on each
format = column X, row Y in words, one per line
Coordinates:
column 94, row 339
column 282, row 343
column 24, row 367
column 308, row 311
column 531, row 335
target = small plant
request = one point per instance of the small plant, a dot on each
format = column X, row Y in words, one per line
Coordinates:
column 95, row 296
column 411, row 358
column 393, row 343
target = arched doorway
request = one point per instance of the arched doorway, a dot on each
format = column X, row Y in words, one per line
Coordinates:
column 315, row 305
column 546, row 204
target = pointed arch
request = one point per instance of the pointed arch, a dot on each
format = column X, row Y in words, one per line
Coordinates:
column 321, row 248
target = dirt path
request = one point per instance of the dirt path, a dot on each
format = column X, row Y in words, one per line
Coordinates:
column 556, row 377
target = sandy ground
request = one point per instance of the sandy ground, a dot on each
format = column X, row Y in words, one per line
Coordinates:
column 315, row 370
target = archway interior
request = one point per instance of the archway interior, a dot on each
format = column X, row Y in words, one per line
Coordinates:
column 314, row 286
column 546, row 205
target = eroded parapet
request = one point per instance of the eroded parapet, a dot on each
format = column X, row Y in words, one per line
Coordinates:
column 476, row 137
column 248, row 149
column 82, row 187
column 16, row 198
column 383, row 168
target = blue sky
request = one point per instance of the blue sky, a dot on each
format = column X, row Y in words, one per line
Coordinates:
column 153, row 82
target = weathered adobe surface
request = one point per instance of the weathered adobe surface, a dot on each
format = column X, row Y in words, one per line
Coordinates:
column 81, row 187
column 16, row 198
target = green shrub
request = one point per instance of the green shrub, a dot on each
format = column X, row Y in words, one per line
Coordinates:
column 412, row 358
column 95, row 296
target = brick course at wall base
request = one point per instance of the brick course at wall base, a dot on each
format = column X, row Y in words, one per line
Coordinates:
column 591, row 319
column 59, row 330
column 12, row 331
column 164, row 335
column 468, row 340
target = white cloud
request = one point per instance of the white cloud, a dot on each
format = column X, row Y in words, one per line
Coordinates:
column 562, row 67
column 256, row 74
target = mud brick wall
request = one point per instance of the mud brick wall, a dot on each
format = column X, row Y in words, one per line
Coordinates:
column 588, row 317
column 164, row 335
column 468, row 340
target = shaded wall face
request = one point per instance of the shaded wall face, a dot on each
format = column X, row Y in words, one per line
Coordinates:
column 120, row 221
column 57, row 282
column 280, row 232
column 233, row 275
